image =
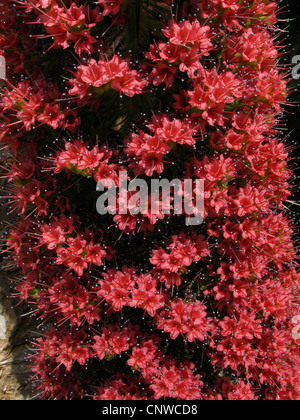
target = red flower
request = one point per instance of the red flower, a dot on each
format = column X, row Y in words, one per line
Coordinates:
column 116, row 288
column 210, row 96
column 52, row 236
column 115, row 72
column 130, row 83
column 150, row 152
column 187, row 34
column 95, row 254
column 110, row 6
column 51, row 115
column 141, row 358
column 163, row 73
column 189, row 320
column 146, row 296
column 83, row 42
column 89, row 159
column 219, row 169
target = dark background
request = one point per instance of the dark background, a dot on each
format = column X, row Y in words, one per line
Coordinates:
column 290, row 17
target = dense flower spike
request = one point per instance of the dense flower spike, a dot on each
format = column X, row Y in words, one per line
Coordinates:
column 139, row 305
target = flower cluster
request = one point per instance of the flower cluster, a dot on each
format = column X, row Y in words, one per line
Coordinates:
column 147, row 151
column 140, row 305
column 68, row 26
column 100, row 76
column 78, row 158
column 186, row 319
column 166, row 378
column 125, row 288
column 74, row 251
column 183, row 252
column 187, row 43
column 34, row 104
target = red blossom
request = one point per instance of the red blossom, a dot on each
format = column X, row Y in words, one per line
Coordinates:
column 140, row 305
